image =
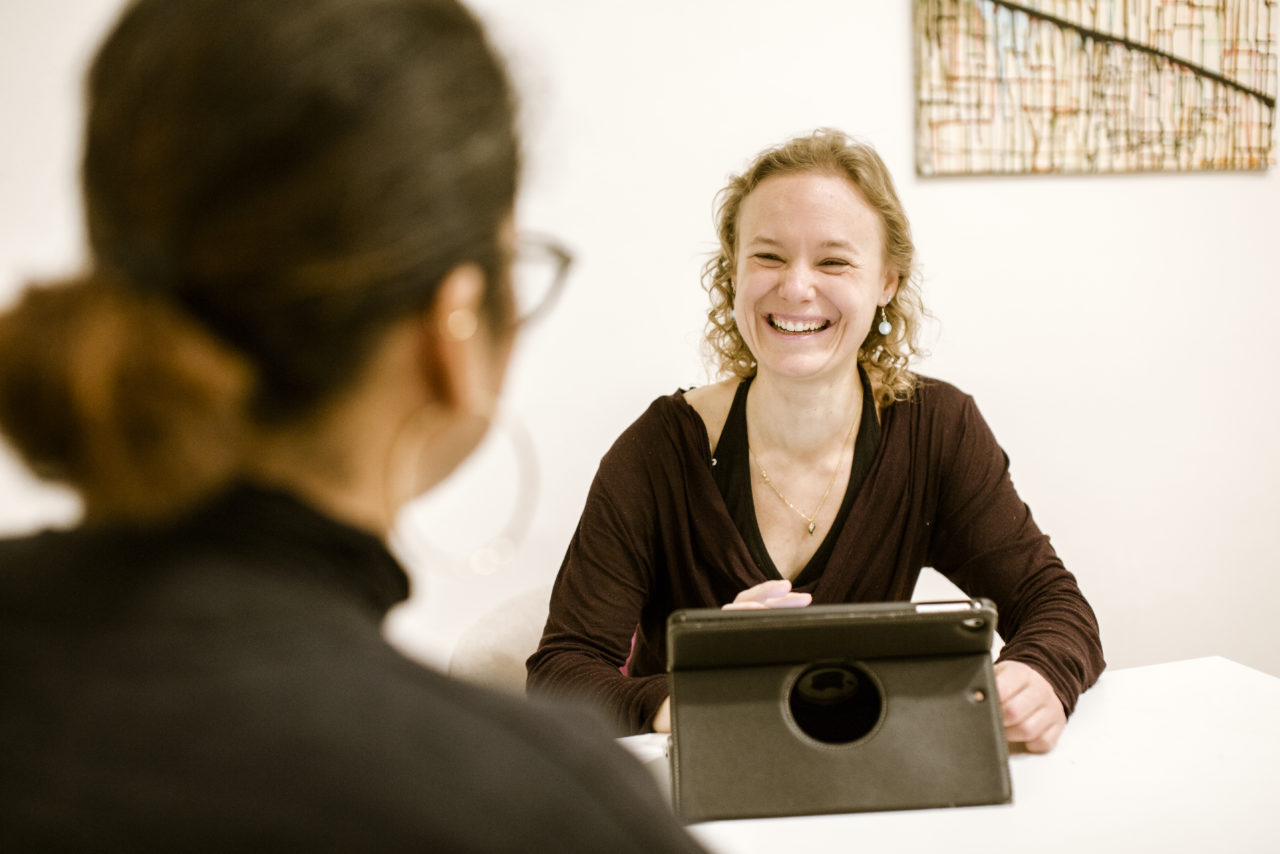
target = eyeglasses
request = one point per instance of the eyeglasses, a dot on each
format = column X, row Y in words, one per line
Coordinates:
column 539, row 269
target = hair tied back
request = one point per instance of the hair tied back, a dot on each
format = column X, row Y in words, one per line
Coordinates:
column 120, row 395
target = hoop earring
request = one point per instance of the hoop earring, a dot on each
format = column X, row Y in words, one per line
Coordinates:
column 410, row 538
column 885, row 326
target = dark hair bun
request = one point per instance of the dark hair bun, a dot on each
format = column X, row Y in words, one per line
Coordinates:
column 120, row 396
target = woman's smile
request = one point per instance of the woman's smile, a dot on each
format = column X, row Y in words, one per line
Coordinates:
column 797, row 326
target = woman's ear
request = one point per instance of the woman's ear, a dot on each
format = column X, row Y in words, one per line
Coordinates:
column 890, row 289
column 454, row 353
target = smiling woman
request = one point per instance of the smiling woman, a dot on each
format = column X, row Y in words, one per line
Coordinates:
column 820, row 469
column 809, row 276
column 832, row 157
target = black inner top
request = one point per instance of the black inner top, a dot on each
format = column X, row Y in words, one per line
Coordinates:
column 731, row 468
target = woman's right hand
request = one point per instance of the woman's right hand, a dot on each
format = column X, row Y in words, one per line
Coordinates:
column 662, row 718
column 770, row 594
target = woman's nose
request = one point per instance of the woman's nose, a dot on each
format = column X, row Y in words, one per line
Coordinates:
column 797, row 282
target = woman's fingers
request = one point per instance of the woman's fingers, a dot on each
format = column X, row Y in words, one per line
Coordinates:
column 1030, row 710
column 662, row 718
column 769, row 594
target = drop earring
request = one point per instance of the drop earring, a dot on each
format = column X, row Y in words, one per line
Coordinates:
column 885, row 326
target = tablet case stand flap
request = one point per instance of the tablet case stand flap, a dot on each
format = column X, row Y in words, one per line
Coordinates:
column 844, row 708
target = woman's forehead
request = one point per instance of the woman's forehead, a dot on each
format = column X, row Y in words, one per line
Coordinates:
column 821, row 207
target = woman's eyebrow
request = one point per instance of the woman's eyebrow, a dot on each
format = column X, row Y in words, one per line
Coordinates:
column 832, row 243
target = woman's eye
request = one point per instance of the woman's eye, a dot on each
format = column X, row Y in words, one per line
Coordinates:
column 768, row 259
column 834, row 262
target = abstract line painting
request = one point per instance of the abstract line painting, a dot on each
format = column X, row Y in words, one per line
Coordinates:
column 1052, row 86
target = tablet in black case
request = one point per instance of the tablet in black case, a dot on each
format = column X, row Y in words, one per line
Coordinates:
column 834, row 708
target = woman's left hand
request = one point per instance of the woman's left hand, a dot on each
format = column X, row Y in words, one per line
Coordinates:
column 1032, row 713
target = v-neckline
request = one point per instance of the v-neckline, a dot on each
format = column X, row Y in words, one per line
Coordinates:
column 731, row 471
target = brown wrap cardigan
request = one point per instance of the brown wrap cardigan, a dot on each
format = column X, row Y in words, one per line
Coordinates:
column 655, row 536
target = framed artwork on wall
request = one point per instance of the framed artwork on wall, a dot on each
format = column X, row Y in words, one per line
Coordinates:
column 1094, row 86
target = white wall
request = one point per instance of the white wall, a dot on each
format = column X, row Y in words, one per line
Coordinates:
column 1117, row 332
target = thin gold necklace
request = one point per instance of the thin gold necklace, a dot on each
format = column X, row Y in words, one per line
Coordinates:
column 811, row 519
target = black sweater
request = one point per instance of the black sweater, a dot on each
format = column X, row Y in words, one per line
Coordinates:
column 223, row 684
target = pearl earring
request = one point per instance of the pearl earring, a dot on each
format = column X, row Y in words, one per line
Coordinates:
column 461, row 324
column 885, row 326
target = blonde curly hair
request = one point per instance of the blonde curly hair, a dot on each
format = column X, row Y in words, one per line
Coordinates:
column 885, row 358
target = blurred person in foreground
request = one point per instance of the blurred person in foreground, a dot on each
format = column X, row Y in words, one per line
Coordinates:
column 297, row 316
column 820, row 469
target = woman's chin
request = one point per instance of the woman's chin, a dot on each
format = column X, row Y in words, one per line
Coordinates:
column 805, row 367
column 794, row 360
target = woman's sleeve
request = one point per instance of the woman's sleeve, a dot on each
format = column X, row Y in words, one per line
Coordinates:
column 604, row 583
column 987, row 543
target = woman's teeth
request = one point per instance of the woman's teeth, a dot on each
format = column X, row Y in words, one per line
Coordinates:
column 797, row 327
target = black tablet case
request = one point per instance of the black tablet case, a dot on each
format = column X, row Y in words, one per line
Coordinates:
column 745, row 684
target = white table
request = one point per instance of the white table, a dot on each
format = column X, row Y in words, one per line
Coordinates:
column 1167, row 758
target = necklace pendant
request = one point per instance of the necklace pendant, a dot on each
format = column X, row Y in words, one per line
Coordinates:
column 812, row 525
